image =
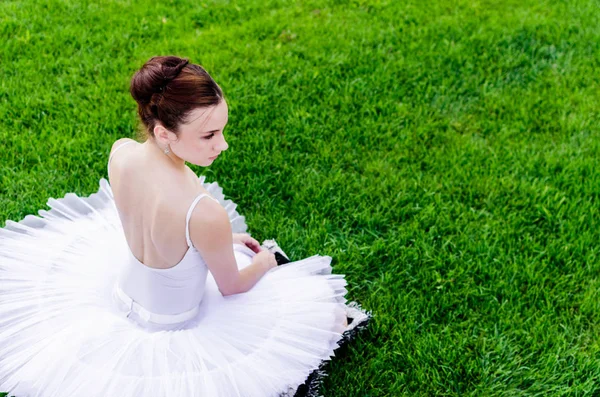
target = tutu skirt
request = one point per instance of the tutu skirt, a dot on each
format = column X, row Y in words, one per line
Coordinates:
column 62, row 333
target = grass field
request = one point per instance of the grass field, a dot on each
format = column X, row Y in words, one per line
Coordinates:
column 444, row 153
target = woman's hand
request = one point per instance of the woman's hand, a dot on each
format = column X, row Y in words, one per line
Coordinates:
column 245, row 239
column 265, row 259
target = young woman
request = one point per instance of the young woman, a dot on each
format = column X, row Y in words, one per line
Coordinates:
column 149, row 287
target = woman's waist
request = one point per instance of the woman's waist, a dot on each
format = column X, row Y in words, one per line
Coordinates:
column 132, row 308
column 158, row 297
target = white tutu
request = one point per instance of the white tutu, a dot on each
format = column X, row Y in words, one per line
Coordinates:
column 63, row 334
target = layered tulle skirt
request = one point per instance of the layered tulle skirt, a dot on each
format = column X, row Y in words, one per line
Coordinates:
column 62, row 333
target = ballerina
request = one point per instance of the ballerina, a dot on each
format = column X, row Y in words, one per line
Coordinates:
column 151, row 286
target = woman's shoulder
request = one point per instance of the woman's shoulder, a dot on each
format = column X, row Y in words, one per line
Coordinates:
column 171, row 211
column 179, row 191
column 192, row 196
column 121, row 146
column 209, row 222
column 122, row 141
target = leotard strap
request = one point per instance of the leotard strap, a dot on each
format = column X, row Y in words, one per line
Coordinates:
column 115, row 151
column 189, row 215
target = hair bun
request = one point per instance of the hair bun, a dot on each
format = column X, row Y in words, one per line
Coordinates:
column 170, row 72
column 154, row 76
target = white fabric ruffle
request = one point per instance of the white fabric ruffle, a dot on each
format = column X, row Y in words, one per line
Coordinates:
column 62, row 334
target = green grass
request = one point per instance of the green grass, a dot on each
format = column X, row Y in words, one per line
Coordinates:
column 445, row 154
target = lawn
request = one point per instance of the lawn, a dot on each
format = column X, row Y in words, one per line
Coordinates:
column 444, row 153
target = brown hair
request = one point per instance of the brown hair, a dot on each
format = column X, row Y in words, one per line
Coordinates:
column 167, row 88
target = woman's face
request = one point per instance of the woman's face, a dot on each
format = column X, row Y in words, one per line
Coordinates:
column 201, row 139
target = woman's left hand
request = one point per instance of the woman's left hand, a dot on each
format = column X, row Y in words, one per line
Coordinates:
column 245, row 239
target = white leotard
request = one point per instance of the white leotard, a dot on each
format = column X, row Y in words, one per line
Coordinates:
column 164, row 296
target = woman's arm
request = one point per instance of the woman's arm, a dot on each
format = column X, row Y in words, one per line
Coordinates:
column 210, row 232
column 246, row 240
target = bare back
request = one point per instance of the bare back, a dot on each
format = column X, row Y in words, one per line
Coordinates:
column 152, row 199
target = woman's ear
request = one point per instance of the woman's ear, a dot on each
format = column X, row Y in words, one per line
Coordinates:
column 161, row 134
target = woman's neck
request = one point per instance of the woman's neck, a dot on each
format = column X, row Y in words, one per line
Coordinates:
column 171, row 158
